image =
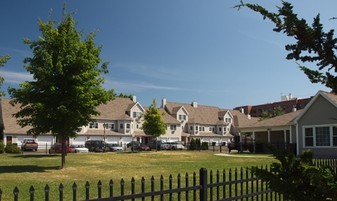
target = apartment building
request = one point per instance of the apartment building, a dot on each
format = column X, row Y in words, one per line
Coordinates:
column 288, row 103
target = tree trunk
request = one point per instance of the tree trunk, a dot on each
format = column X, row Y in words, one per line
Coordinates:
column 63, row 154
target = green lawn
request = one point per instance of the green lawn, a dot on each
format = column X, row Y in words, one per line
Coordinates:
column 38, row 170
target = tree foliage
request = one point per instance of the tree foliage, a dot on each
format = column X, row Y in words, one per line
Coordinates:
column 3, row 60
column 278, row 111
column 67, row 81
column 122, row 95
column 313, row 44
column 153, row 121
column 297, row 178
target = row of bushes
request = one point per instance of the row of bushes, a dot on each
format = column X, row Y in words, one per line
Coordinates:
column 197, row 145
column 9, row 148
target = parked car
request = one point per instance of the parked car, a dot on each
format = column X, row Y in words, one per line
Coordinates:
column 57, row 148
column 29, row 144
column 143, row 147
column 113, row 147
column 165, row 146
column 133, row 144
column 177, row 145
column 78, row 149
column 95, row 145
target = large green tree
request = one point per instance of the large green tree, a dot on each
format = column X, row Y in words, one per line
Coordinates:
column 313, row 44
column 67, row 81
column 3, row 60
column 153, row 121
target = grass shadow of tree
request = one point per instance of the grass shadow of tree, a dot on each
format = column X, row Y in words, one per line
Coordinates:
column 26, row 168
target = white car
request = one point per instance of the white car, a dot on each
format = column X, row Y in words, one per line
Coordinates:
column 114, row 147
column 78, row 149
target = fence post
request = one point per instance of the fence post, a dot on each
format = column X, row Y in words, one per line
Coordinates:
column 61, row 188
column 74, row 191
column 99, row 188
column 87, row 189
column 16, row 193
column 46, row 193
column 203, row 184
column 31, row 193
column 111, row 185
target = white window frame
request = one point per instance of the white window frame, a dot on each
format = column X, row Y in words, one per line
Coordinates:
column 93, row 125
column 332, row 135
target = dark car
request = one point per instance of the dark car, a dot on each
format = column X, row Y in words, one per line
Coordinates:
column 96, row 145
column 57, row 148
column 133, row 144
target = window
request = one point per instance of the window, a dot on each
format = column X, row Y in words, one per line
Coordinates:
column 109, row 126
column 127, row 125
column 228, row 120
column 196, row 128
column 322, row 136
column 309, row 137
column 182, row 117
column 173, row 127
column 202, row 128
column 136, row 114
column 219, row 129
column 121, row 126
column 191, row 127
column 93, row 125
column 334, row 136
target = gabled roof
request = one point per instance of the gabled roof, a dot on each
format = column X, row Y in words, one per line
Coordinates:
column 200, row 114
column 282, row 120
column 209, row 115
column 168, row 119
column 136, row 104
column 241, row 120
column 332, row 98
column 115, row 109
column 10, row 124
column 176, row 110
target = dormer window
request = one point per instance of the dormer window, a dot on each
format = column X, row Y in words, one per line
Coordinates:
column 136, row 114
column 93, row 125
column 228, row 120
column 182, row 117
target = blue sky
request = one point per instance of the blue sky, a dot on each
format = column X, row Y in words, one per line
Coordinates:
column 181, row 50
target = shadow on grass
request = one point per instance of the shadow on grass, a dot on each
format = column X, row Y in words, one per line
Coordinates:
column 25, row 168
column 36, row 156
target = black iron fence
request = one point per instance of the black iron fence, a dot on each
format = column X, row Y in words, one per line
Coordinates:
column 237, row 184
column 207, row 185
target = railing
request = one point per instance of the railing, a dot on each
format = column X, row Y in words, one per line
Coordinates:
column 237, row 184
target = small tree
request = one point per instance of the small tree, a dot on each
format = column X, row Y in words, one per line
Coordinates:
column 313, row 45
column 66, row 89
column 153, row 121
column 298, row 179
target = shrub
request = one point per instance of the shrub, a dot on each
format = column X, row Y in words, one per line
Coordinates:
column 204, row 146
column 298, row 178
column 2, row 147
column 12, row 148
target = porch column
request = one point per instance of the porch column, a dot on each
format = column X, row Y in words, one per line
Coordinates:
column 268, row 134
column 290, row 136
column 285, row 135
column 254, row 149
